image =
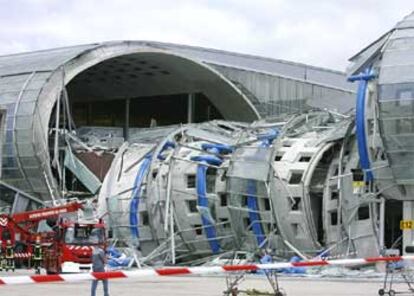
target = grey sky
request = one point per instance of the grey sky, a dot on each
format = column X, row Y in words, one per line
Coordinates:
column 318, row 32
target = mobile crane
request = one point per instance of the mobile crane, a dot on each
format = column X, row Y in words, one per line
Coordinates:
column 66, row 247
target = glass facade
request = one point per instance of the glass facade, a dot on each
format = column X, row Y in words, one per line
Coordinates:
column 396, row 105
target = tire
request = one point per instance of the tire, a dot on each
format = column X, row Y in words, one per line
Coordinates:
column 381, row 292
column 392, row 293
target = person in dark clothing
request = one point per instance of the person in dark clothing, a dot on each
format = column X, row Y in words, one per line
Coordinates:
column 98, row 265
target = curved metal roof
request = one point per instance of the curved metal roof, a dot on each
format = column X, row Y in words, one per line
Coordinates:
column 47, row 60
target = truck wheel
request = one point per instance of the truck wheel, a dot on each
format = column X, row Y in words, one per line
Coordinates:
column 381, row 292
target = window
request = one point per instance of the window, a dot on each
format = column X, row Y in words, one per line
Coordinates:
column 295, row 229
column 266, row 204
column 278, row 157
column 295, row 177
column 271, row 227
column 363, row 213
column 198, row 230
column 144, row 218
column 223, row 199
column 334, row 195
column 225, row 223
column 247, row 222
column 192, row 205
column 295, row 204
column 244, row 201
column 191, row 181
column 211, row 180
column 305, row 158
column 334, row 218
column 84, row 235
column 241, row 256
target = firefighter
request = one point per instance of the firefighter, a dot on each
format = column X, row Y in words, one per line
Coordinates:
column 9, row 255
column 37, row 255
column 1, row 256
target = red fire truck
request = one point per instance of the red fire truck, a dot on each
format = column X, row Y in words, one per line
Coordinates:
column 66, row 246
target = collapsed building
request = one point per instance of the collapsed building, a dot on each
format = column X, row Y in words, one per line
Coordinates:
column 192, row 152
column 218, row 186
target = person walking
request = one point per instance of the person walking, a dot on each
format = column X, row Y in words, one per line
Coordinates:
column 98, row 265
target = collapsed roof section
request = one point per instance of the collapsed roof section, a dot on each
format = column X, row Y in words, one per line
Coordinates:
column 202, row 189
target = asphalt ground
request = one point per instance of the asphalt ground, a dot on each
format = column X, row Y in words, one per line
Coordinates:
column 203, row 286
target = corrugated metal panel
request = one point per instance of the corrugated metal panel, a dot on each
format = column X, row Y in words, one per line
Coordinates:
column 280, row 94
column 261, row 64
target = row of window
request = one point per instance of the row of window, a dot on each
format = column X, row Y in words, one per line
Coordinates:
column 295, row 178
column 363, row 214
column 192, row 203
column 269, row 227
column 302, row 158
column 210, row 180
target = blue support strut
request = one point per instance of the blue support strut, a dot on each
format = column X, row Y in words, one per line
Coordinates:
column 202, row 201
column 363, row 79
column 136, row 195
column 266, row 141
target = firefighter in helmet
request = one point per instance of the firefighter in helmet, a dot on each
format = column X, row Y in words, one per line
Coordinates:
column 37, row 255
column 9, row 255
column 1, row 256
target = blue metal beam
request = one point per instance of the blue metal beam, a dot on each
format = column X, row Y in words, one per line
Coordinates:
column 363, row 79
column 136, row 195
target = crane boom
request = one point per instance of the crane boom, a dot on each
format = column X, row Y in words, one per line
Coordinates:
column 42, row 214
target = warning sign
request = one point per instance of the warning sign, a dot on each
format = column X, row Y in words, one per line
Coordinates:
column 358, row 187
column 357, row 184
column 406, row 224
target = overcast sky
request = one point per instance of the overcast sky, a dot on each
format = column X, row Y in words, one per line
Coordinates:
column 318, row 32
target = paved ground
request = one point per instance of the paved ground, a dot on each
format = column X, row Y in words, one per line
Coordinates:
column 206, row 286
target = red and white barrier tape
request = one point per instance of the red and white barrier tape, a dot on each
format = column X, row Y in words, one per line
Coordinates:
column 14, row 280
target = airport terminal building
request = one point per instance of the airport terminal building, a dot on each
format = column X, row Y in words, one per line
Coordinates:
column 224, row 150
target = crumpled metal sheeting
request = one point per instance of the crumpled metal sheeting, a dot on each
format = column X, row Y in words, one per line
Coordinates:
column 97, row 163
column 116, row 193
column 251, row 163
column 143, row 135
column 82, row 172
